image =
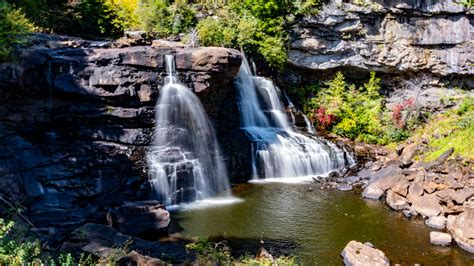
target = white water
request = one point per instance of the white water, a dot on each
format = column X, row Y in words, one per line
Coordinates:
column 278, row 151
column 185, row 159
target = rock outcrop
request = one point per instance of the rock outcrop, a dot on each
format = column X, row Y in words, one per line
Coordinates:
column 78, row 116
column 395, row 37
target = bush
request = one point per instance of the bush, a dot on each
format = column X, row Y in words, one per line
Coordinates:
column 123, row 14
column 355, row 113
column 13, row 249
column 209, row 252
column 163, row 20
column 14, row 27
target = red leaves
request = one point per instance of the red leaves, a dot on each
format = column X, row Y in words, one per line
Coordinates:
column 397, row 114
column 324, row 119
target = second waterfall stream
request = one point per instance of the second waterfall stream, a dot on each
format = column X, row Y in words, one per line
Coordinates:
column 278, row 150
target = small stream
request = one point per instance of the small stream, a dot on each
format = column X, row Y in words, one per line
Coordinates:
column 315, row 226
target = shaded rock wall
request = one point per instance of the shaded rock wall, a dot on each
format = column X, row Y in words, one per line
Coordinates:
column 390, row 37
column 77, row 118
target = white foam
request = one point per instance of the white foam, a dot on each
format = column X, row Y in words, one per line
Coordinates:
column 286, row 180
column 206, row 203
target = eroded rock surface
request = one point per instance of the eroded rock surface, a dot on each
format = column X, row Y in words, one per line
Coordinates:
column 396, row 37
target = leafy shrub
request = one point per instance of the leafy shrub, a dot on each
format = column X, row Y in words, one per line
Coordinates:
column 14, row 27
column 123, row 14
column 163, row 20
column 355, row 113
column 13, row 249
column 210, row 252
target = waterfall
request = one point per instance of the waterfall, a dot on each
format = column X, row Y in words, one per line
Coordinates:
column 185, row 159
column 278, row 150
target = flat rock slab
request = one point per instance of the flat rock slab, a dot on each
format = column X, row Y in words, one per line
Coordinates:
column 358, row 254
column 462, row 229
column 462, row 195
column 427, row 205
column 377, row 188
column 440, row 238
column 396, row 202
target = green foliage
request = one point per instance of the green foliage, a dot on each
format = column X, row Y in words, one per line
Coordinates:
column 13, row 28
column 348, row 111
column 467, row 3
column 162, row 20
column 123, row 14
column 256, row 26
column 210, row 252
column 453, row 129
column 13, row 249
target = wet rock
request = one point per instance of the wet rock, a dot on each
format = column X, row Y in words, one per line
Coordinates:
column 427, row 205
column 146, row 219
column 409, row 213
column 358, row 254
column 344, row 187
column 461, row 228
column 439, row 238
column 436, row 222
column 395, row 201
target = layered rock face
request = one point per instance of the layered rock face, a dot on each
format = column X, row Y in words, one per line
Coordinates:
column 78, row 116
column 392, row 37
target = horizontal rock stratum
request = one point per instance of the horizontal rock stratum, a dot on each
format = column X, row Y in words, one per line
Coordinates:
column 387, row 36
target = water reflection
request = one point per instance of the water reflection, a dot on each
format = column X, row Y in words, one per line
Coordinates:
column 318, row 223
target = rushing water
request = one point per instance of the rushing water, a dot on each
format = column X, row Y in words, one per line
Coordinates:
column 315, row 226
column 185, row 159
column 278, row 149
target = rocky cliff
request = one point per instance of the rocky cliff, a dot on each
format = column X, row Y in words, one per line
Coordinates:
column 387, row 36
column 78, row 116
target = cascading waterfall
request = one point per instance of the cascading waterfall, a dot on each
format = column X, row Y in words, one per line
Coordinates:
column 185, row 159
column 278, row 151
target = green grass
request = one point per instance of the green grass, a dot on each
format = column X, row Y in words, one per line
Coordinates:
column 453, row 129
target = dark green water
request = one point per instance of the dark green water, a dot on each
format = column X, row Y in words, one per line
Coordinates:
column 316, row 225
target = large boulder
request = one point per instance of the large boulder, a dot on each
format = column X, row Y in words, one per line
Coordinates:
column 461, row 228
column 145, row 219
column 377, row 188
column 427, row 205
column 358, row 254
